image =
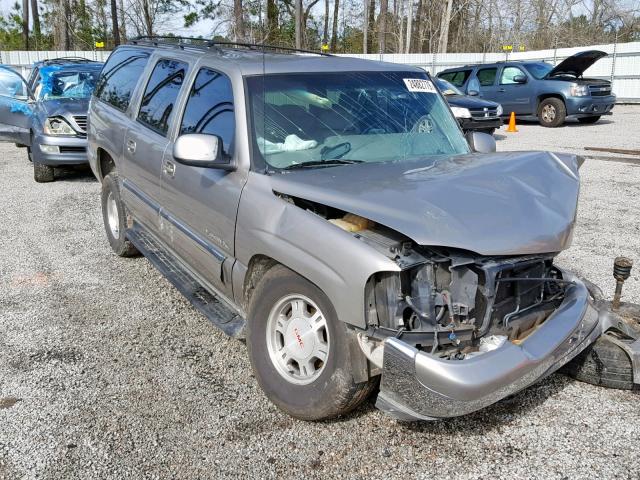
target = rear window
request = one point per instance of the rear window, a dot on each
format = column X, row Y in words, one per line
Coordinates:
column 456, row 78
column 120, row 76
column 161, row 93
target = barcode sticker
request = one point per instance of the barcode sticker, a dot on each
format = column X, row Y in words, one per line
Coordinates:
column 419, row 85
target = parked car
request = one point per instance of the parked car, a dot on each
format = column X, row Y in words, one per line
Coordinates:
column 539, row 89
column 48, row 113
column 472, row 113
column 330, row 210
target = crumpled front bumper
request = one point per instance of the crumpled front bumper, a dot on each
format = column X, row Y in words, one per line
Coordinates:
column 418, row 386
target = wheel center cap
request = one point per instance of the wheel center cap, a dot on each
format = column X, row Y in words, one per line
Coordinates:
column 299, row 338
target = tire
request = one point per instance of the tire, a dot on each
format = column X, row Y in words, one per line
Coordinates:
column 551, row 112
column 593, row 119
column 43, row 173
column 329, row 392
column 603, row 363
column 115, row 217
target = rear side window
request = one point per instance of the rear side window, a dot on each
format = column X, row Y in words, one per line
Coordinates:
column 161, row 93
column 209, row 108
column 120, row 76
column 456, row 78
column 487, row 76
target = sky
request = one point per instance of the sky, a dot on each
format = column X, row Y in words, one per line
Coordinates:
column 201, row 28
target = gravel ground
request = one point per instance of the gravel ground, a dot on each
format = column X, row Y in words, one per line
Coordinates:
column 107, row 372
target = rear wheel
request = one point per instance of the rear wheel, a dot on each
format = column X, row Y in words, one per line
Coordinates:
column 593, row 119
column 115, row 217
column 299, row 349
column 43, row 173
column 551, row 112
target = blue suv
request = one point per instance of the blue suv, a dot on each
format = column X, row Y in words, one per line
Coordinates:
column 539, row 89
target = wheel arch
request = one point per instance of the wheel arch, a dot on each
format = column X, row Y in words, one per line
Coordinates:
column 543, row 96
column 105, row 164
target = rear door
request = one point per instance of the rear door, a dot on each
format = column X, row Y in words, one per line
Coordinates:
column 514, row 97
column 199, row 205
column 486, row 77
column 146, row 139
column 16, row 109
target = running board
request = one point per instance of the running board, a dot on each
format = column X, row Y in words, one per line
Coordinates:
column 212, row 307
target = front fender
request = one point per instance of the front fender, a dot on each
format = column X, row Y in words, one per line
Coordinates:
column 332, row 259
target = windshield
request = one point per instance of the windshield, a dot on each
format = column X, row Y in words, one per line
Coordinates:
column 349, row 117
column 538, row 70
column 447, row 88
column 56, row 84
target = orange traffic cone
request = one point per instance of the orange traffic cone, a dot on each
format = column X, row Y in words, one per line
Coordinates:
column 512, row 123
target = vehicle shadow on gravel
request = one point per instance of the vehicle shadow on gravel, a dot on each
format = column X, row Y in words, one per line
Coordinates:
column 80, row 173
column 499, row 414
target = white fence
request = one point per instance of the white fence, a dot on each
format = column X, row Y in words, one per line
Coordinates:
column 621, row 66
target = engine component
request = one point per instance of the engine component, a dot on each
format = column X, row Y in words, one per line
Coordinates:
column 621, row 272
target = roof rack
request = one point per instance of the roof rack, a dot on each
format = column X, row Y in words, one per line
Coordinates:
column 62, row 60
column 204, row 44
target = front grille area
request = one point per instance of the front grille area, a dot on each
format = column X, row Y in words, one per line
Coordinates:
column 600, row 90
column 72, row 149
column 482, row 113
column 81, row 121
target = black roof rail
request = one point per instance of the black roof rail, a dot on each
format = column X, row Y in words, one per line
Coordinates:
column 62, row 60
column 204, row 44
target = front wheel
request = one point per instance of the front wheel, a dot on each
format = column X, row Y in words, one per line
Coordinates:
column 115, row 217
column 299, row 349
column 551, row 112
column 592, row 119
column 43, row 173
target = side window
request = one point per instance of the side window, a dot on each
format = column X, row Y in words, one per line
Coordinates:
column 457, row 78
column 487, row 76
column 120, row 76
column 209, row 109
column 161, row 93
column 508, row 73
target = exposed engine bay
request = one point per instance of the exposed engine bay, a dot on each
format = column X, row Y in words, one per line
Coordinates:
column 449, row 303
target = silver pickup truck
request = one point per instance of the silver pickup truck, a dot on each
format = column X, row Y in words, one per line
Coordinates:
column 331, row 211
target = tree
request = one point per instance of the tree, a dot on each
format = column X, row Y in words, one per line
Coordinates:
column 334, row 30
column 25, row 24
column 382, row 26
column 115, row 29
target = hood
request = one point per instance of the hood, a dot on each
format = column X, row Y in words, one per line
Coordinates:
column 493, row 204
column 66, row 106
column 577, row 64
column 470, row 102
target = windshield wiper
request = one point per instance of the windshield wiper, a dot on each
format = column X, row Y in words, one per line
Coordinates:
column 321, row 163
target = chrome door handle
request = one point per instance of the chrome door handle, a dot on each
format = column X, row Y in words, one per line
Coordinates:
column 502, row 90
column 169, row 169
column 131, row 146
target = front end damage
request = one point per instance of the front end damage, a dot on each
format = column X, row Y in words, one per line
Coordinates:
column 454, row 332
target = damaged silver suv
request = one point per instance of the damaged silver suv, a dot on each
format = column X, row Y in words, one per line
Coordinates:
column 331, row 210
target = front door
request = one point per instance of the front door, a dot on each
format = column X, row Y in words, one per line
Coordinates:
column 15, row 107
column 199, row 205
column 513, row 96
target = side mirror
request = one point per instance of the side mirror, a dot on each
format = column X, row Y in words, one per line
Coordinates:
column 473, row 93
column 481, row 142
column 520, row 79
column 200, row 150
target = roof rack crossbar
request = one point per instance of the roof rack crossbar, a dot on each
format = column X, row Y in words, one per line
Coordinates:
column 202, row 43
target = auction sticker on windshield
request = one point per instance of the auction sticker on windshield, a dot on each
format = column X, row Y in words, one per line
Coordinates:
column 419, row 85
